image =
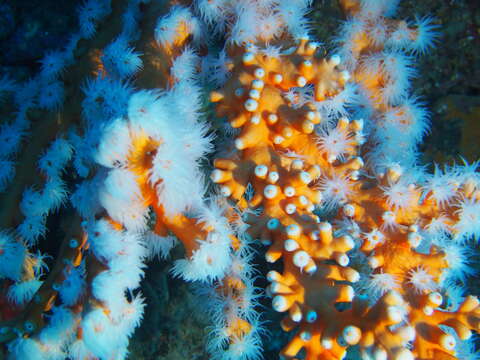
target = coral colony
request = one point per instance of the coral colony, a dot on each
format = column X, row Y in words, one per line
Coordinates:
column 317, row 162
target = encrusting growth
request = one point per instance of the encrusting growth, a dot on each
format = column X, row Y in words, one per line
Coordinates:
column 377, row 273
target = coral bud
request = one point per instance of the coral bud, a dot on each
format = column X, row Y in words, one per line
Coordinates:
column 255, row 119
column 290, row 245
column 290, row 209
column 248, row 58
column 254, row 94
column 293, row 231
column 289, row 191
column 251, row 105
column 447, row 341
column 403, row 354
column 272, row 119
column 349, row 210
column 259, row 73
column 301, row 81
column 280, row 304
column 335, row 60
column 351, row 334
column 277, row 78
column 311, row 316
column 261, row 171
column 258, row 84
column 225, row 191
column 273, row 177
column 273, row 224
column 270, row 191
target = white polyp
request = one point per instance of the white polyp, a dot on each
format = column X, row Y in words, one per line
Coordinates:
column 296, row 316
column 239, row 92
column 335, row 60
column 270, row 191
column 301, row 81
column 348, row 241
column 305, row 335
column 258, row 84
column 307, row 63
column 297, row 164
column 315, row 235
column 380, row 354
column 279, row 303
column 254, row 94
column 278, row 139
column 428, row 310
column 374, row 262
column 325, row 226
column 289, row 191
column 301, row 259
column 270, row 258
column 248, row 58
column 272, row 275
column 359, row 161
column 216, row 175
column 239, row 144
column 261, row 171
column 272, row 119
column 255, row 119
column 290, row 245
column 393, row 298
column 293, row 230
column 435, row 298
column 355, row 175
column 287, row 132
column 272, row 224
column 273, row 177
column 275, row 287
column 403, row 354
column 311, row 316
column 225, row 191
column 342, row 259
column 326, row 343
column 311, row 269
column 388, row 216
column 311, row 115
column 290, row 209
column 414, row 239
column 351, row 334
column 395, row 314
column 259, row 73
column 407, row 333
column 331, row 158
column 312, row 46
column 349, row 210
column 277, row 79
column 303, row 200
column 353, row 276
column 308, row 126
column 447, row 341
column 345, row 75
column 305, row 177
column 251, row 105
